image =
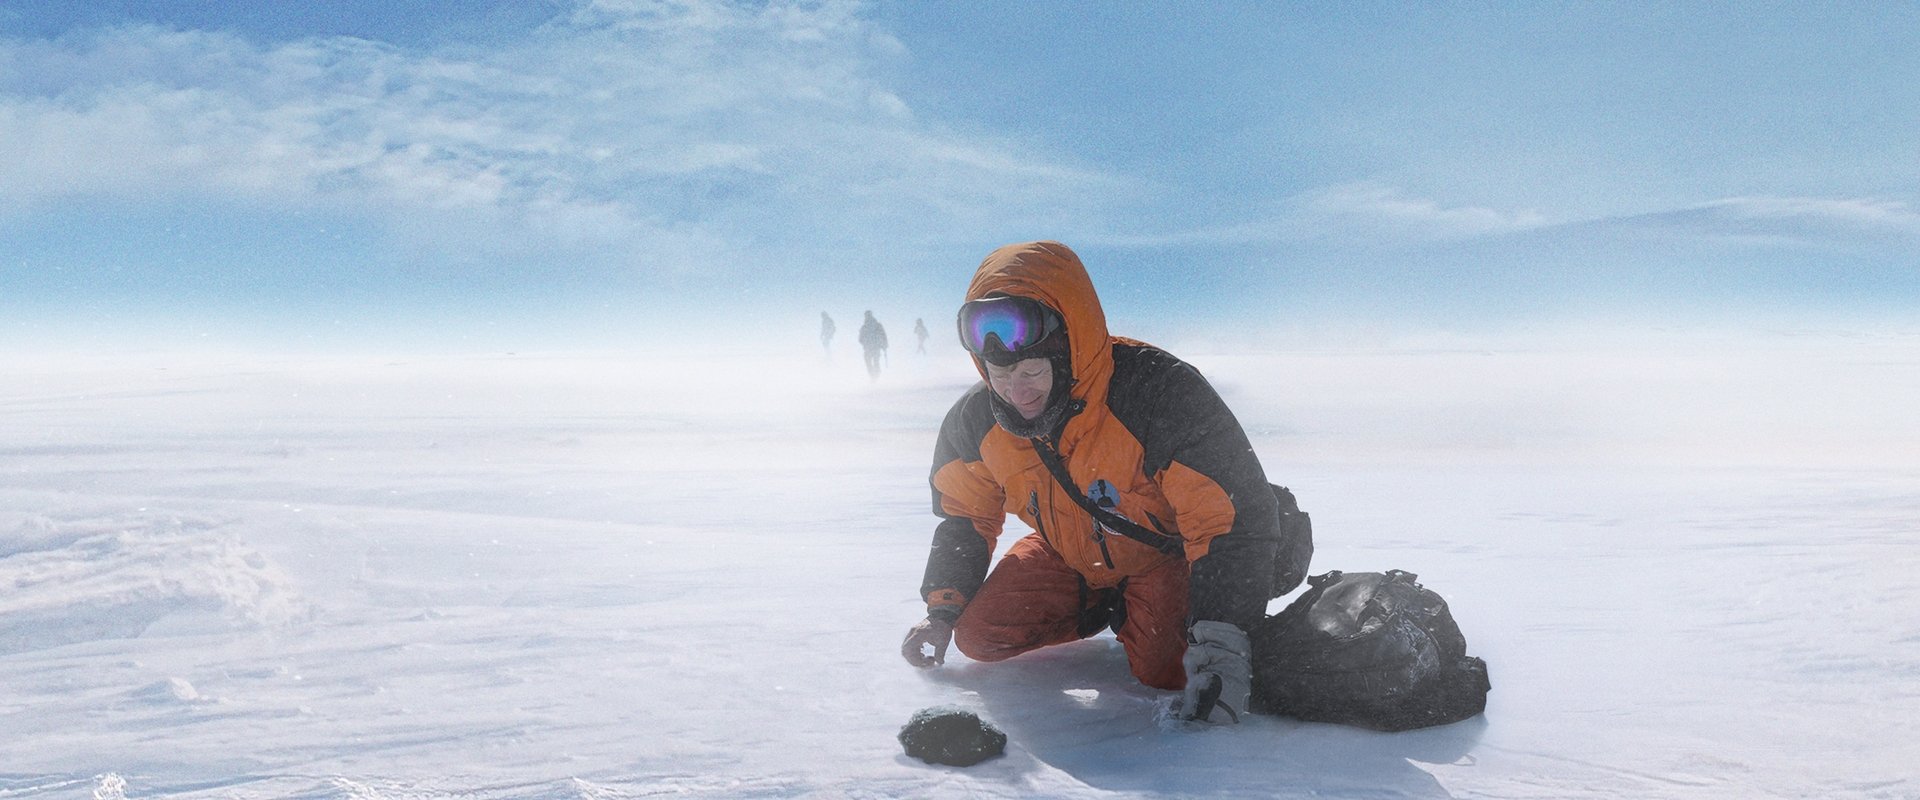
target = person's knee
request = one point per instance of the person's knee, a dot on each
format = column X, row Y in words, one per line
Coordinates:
column 984, row 640
column 1160, row 669
column 978, row 643
column 1155, row 654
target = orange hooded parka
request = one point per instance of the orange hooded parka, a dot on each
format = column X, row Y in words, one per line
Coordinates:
column 1139, row 431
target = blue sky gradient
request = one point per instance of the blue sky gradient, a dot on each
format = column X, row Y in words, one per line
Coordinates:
column 549, row 171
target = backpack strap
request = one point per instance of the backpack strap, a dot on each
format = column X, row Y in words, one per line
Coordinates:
column 1114, row 522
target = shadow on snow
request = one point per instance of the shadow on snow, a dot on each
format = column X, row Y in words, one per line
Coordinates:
column 1076, row 708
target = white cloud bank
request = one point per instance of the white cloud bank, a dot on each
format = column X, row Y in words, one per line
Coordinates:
column 657, row 125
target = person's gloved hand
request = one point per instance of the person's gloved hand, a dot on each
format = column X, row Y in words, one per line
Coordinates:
column 1219, row 664
column 930, row 631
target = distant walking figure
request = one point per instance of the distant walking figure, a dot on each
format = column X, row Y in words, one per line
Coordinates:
column 873, row 342
column 826, row 332
column 920, row 330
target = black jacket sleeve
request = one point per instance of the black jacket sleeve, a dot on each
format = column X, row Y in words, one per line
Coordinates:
column 969, row 507
column 1181, row 421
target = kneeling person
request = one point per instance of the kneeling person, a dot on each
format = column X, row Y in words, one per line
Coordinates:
column 1130, row 430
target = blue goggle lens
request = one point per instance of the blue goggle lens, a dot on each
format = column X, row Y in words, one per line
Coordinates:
column 1005, row 323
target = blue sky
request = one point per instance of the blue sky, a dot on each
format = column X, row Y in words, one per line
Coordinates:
column 553, row 169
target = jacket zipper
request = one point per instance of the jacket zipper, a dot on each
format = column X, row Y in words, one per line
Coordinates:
column 1033, row 507
column 1100, row 538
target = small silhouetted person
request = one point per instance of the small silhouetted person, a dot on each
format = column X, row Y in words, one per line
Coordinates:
column 920, row 330
column 826, row 332
column 873, row 343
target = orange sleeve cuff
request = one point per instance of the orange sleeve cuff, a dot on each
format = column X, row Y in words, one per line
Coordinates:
column 946, row 601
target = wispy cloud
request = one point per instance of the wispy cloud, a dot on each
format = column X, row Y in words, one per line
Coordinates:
column 670, row 128
column 1784, row 221
column 1359, row 214
column 1369, row 215
column 1377, row 210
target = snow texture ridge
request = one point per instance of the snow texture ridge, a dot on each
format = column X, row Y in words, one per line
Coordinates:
column 75, row 581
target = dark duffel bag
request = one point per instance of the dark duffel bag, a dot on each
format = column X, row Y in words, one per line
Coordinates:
column 1370, row 649
column 1295, row 549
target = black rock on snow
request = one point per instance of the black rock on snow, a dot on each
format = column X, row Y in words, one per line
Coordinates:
column 953, row 736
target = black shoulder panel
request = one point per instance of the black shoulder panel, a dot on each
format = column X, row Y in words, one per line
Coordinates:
column 1162, row 400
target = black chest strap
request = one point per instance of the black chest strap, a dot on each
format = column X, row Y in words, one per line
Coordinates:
column 1118, row 524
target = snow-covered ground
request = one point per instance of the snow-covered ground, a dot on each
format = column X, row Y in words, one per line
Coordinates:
column 1691, row 561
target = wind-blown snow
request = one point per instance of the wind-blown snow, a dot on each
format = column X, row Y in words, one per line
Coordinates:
column 1688, row 560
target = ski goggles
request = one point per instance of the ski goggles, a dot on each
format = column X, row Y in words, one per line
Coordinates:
column 1009, row 324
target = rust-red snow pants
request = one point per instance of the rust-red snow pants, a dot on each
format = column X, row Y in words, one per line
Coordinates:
column 1032, row 599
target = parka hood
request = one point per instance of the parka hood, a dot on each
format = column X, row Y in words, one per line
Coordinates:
column 1050, row 273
